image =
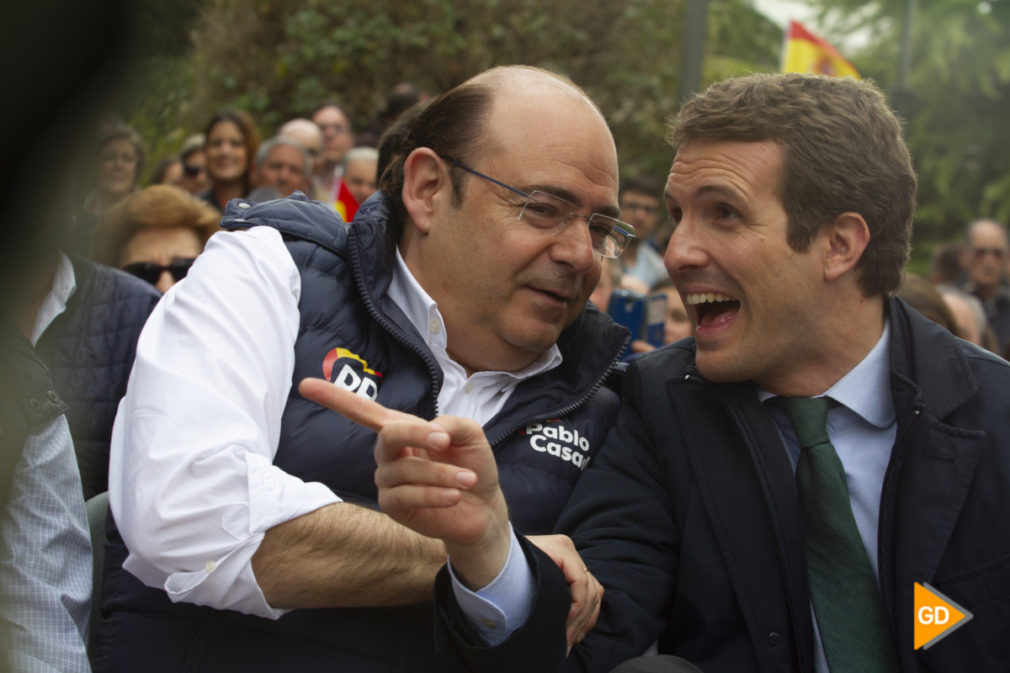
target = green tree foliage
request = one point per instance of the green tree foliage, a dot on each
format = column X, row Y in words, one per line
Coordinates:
column 279, row 59
column 955, row 103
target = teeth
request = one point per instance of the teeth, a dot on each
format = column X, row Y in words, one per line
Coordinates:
column 707, row 298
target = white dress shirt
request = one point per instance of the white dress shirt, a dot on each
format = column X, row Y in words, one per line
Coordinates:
column 192, row 483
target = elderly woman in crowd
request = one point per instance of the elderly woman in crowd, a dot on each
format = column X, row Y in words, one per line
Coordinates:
column 155, row 234
column 118, row 161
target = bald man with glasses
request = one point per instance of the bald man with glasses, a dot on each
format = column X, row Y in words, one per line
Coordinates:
column 249, row 536
column 985, row 258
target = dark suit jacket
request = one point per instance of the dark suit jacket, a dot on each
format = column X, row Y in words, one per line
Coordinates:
column 689, row 518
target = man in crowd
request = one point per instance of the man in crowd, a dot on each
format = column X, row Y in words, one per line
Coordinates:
column 773, row 489
column 986, row 260
column 640, row 207
column 254, row 543
column 359, row 172
column 338, row 137
column 282, row 165
column 310, row 137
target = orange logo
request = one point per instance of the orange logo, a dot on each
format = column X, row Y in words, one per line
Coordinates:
column 936, row 616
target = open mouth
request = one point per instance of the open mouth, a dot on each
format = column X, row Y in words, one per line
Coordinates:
column 712, row 308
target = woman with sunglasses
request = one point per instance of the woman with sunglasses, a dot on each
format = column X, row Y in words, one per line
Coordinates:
column 155, row 234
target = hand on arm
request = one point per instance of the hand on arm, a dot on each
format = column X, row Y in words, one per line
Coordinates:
column 438, row 478
column 587, row 592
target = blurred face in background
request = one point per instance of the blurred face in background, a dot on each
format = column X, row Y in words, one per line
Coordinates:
column 359, row 176
column 640, row 210
column 678, row 324
column 117, row 169
column 227, row 159
column 986, row 256
column 336, row 129
column 283, row 169
column 160, row 255
column 194, row 173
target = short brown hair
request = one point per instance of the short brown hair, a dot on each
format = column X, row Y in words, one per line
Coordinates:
column 843, row 152
column 152, row 207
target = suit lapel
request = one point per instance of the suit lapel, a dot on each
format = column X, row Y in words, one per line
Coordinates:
column 746, row 483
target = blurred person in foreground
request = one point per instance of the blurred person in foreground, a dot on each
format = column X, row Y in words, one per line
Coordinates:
column 255, row 543
column 985, row 258
column 155, row 235
column 712, row 531
column 45, row 551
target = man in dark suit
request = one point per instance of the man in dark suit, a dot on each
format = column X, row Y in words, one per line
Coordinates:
column 792, row 198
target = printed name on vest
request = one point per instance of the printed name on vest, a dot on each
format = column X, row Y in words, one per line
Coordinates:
column 351, row 372
column 554, row 439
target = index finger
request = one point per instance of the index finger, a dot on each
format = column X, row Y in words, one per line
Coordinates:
column 361, row 410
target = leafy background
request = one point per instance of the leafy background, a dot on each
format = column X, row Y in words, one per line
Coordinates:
column 277, row 59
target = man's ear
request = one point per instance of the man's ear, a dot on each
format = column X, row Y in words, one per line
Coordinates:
column 847, row 238
column 424, row 184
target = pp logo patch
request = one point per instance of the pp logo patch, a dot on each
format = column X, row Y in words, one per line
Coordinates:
column 349, row 371
column 554, row 439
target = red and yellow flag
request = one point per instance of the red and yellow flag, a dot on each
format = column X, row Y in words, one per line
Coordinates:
column 346, row 204
column 807, row 53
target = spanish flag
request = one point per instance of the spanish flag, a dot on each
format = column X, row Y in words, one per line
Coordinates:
column 345, row 203
column 808, row 53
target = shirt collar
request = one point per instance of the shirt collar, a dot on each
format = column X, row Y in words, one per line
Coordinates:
column 63, row 287
column 422, row 312
column 865, row 389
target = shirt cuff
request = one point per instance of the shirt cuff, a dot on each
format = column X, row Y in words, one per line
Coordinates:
column 501, row 607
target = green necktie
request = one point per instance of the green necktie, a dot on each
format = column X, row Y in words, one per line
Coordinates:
column 850, row 616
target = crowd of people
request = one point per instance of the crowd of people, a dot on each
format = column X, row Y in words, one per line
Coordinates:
column 502, row 487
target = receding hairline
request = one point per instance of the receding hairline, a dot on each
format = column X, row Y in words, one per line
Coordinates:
column 505, row 83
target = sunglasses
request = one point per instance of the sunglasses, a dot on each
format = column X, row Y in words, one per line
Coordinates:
column 193, row 171
column 151, row 272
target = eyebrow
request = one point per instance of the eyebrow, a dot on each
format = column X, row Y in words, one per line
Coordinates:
column 609, row 210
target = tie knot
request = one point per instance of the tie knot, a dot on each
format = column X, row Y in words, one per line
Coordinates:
column 809, row 416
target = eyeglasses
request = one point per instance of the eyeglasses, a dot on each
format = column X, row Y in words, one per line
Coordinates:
column 548, row 212
column 995, row 252
column 193, row 171
column 151, row 272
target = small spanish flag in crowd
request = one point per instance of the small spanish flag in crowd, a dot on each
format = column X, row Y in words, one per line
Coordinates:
column 346, row 204
column 807, row 53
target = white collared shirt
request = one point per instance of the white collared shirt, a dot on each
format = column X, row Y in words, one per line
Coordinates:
column 192, row 482
column 480, row 396
column 62, row 288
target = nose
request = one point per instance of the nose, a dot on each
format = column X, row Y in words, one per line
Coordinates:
column 165, row 281
column 573, row 245
column 685, row 248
